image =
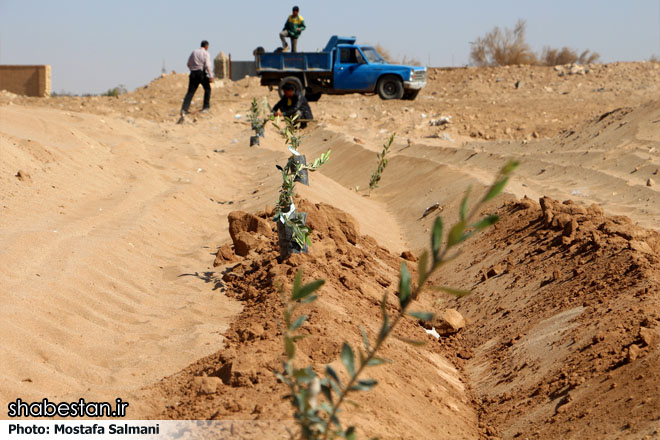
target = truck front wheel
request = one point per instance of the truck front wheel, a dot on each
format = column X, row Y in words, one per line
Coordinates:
column 411, row 94
column 390, row 87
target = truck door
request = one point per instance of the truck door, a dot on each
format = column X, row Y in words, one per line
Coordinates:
column 351, row 71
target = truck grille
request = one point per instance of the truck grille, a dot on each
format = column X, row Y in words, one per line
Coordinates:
column 419, row 75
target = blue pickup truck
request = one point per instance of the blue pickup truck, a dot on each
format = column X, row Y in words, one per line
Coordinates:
column 342, row 67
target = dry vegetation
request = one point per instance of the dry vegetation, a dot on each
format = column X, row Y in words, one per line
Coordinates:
column 385, row 53
column 505, row 47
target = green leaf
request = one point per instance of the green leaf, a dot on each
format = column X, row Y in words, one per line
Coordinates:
column 350, row 433
column 463, row 211
column 374, row 362
column 304, row 374
column 404, row 286
column 327, row 392
column 456, row 234
column 422, row 316
column 436, row 239
column 365, row 338
column 307, row 289
column 289, row 347
column 456, row 292
column 385, row 328
column 352, row 402
column 496, row 189
column 364, row 385
column 298, row 322
column 422, row 267
column 411, row 341
column 309, row 299
column 383, row 305
column 370, row 383
column 348, row 359
column 485, row 222
column 509, row 167
column 332, row 374
column 297, row 282
column 335, row 387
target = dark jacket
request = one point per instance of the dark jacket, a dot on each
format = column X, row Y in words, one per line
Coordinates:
column 289, row 106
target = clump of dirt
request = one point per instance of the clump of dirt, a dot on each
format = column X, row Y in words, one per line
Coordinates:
column 565, row 323
column 358, row 272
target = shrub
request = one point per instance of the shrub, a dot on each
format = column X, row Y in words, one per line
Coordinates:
column 565, row 55
column 119, row 90
column 317, row 401
column 507, row 47
column 502, row 47
column 387, row 55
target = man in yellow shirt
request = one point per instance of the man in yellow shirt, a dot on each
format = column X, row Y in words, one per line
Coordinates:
column 293, row 26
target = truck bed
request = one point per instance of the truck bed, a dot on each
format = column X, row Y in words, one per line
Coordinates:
column 294, row 62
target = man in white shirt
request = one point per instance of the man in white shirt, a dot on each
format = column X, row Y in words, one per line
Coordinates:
column 201, row 72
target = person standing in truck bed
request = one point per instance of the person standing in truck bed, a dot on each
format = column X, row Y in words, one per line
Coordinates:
column 293, row 26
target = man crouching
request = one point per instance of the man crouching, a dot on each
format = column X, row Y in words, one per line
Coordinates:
column 292, row 104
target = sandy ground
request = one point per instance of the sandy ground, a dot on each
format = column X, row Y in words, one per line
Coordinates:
column 110, row 230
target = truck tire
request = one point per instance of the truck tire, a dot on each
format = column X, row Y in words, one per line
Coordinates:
column 313, row 97
column 390, row 87
column 411, row 95
column 294, row 81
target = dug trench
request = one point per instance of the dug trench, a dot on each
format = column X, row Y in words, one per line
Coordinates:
column 561, row 334
column 561, row 339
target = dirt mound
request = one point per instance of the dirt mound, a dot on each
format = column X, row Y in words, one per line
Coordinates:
column 357, row 272
column 564, row 314
column 565, row 323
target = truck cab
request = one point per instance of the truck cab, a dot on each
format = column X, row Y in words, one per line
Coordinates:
column 360, row 68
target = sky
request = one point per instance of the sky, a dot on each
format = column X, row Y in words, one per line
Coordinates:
column 93, row 45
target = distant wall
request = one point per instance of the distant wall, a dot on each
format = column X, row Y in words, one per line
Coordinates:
column 241, row 69
column 26, row 80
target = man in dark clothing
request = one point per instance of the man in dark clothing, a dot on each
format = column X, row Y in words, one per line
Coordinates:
column 293, row 26
column 201, row 72
column 293, row 103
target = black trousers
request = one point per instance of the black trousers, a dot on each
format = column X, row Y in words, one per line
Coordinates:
column 196, row 78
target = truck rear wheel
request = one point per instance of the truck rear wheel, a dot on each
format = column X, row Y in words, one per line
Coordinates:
column 294, row 81
column 390, row 87
column 312, row 97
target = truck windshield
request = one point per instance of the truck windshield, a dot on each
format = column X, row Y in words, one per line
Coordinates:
column 372, row 55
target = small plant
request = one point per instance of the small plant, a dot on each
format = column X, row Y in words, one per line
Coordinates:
column 382, row 163
column 317, row 401
column 285, row 210
column 258, row 115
